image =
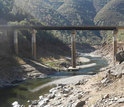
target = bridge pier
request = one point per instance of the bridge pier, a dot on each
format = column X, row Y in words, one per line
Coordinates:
column 16, row 42
column 34, row 32
column 73, row 49
column 114, row 45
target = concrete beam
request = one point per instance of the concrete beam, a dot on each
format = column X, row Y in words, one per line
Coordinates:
column 16, row 42
column 114, row 45
column 34, row 32
column 73, row 49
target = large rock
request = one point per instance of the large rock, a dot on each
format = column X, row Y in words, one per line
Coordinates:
column 35, row 102
column 120, row 57
column 79, row 104
column 121, row 100
column 15, row 104
column 43, row 102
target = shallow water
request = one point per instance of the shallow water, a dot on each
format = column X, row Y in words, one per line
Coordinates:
column 100, row 63
column 22, row 94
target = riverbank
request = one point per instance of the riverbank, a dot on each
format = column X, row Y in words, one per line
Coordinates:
column 22, row 93
column 16, row 69
column 27, row 69
column 66, row 80
column 30, row 69
column 104, row 89
column 100, row 90
column 74, row 79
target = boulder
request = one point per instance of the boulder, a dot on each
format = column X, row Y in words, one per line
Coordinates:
column 121, row 100
column 35, row 102
column 51, row 96
column 51, row 90
column 120, row 57
column 47, row 106
column 79, row 96
column 15, row 104
column 66, row 91
column 40, row 97
column 80, row 104
column 106, row 96
column 62, row 85
column 43, row 102
column 69, row 105
column 105, row 81
column 81, row 82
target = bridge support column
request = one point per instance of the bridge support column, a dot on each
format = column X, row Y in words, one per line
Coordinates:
column 34, row 44
column 114, row 45
column 16, row 42
column 73, row 49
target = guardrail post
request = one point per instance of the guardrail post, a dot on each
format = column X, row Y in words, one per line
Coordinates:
column 16, row 42
column 114, row 45
column 73, row 49
column 34, row 32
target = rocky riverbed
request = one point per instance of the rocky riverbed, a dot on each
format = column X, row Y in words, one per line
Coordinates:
column 28, row 70
column 63, row 95
column 101, row 90
column 104, row 89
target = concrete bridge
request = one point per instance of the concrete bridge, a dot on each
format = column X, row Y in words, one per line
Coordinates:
column 34, row 29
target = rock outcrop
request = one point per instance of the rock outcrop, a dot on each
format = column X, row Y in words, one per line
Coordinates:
column 120, row 57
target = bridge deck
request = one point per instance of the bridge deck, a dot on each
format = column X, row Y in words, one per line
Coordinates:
column 14, row 27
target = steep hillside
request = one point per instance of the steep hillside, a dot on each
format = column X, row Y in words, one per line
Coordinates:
column 81, row 12
column 17, row 16
column 111, row 14
column 78, row 12
column 48, row 46
column 65, row 12
column 42, row 11
column 99, row 4
column 5, row 6
column 68, row 12
column 7, row 14
column 54, row 3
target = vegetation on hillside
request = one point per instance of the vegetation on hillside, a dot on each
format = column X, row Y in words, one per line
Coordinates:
column 66, row 12
column 112, row 15
column 63, row 13
column 17, row 16
column 47, row 44
column 99, row 4
column 78, row 12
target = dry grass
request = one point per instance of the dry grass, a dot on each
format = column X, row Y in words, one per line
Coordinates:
column 98, row 77
column 20, row 60
column 52, row 62
column 114, row 88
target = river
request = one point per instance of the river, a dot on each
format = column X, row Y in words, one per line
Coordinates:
column 21, row 91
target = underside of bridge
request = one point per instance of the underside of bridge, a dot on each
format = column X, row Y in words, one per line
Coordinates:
column 34, row 29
